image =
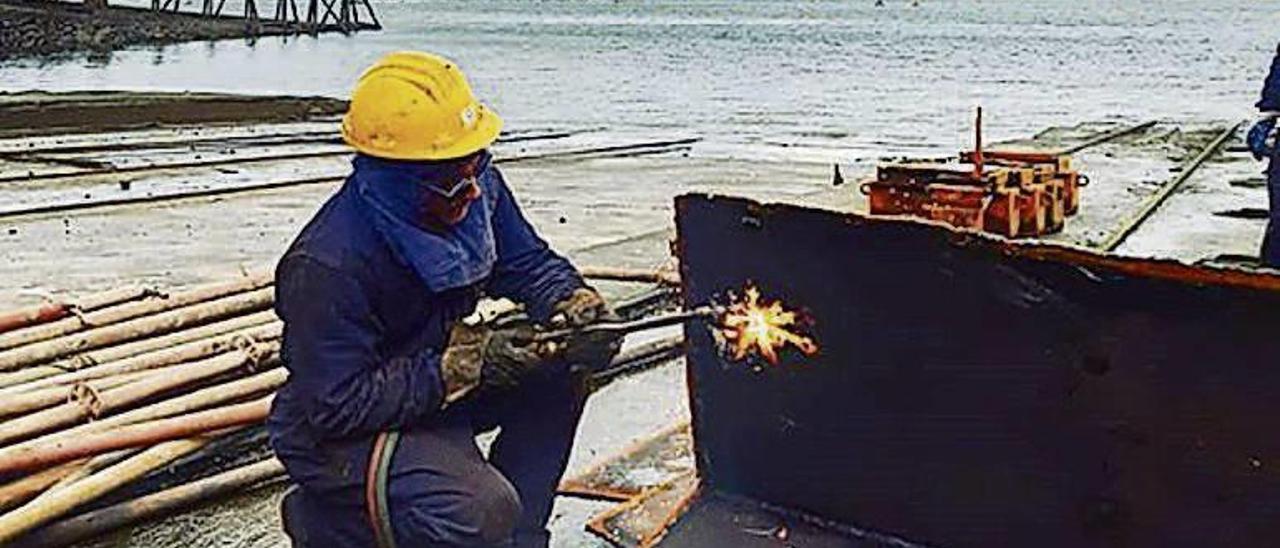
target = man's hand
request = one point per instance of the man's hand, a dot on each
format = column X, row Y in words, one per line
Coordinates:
column 479, row 357
column 1257, row 138
column 581, row 308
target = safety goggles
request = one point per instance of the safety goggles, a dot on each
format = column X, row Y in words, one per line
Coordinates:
column 455, row 178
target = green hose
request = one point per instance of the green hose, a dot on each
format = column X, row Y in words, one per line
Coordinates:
column 384, row 447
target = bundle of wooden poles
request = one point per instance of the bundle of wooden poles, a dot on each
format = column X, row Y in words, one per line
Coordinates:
column 103, row 392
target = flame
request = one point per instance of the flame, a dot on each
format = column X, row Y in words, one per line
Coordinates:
column 763, row 326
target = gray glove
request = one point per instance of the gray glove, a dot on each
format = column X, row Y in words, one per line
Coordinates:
column 478, row 357
column 581, row 308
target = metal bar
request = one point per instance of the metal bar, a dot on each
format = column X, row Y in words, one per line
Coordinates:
column 642, row 324
column 328, row 138
column 82, row 206
column 132, row 200
column 1108, row 136
column 630, row 275
column 328, row 10
column 281, row 138
column 977, row 145
column 616, row 148
column 1153, row 203
column 175, row 165
column 640, row 358
column 377, row 25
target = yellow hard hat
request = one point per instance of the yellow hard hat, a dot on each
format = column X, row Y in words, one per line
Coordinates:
column 417, row 106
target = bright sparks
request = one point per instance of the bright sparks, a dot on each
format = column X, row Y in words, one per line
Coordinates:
column 765, row 327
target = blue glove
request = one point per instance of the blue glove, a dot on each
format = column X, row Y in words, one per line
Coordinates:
column 1257, row 138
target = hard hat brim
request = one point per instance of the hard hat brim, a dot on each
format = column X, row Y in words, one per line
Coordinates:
column 488, row 127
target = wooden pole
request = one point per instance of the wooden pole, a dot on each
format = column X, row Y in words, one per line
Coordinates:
column 83, row 360
column 38, row 512
column 116, row 314
column 152, row 360
column 90, row 466
column 629, row 275
column 34, row 400
column 140, row 327
column 108, row 401
column 200, row 399
column 41, row 313
column 98, row 522
column 137, row 435
column 26, row 488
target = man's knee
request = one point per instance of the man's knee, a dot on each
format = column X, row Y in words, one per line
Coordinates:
column 291, row 517
column 481, row 511
column 310, row 521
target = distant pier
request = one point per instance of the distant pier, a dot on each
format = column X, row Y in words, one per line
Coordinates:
column 42, row 27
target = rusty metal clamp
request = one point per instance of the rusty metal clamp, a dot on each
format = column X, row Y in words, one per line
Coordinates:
column 88, row 397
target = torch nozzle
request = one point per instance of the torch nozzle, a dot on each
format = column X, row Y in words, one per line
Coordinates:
column 643, row 324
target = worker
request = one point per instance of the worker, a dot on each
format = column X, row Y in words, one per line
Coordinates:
column 373, row 294
column 1261, row 146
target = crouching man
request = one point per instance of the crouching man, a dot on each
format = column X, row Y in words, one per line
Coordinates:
column 387, row 387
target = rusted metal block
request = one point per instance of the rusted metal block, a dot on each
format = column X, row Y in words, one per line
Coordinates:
column 1121, row 402
column 1022, row 176
column 974, row 197
column 1010, row 157
column 1055, row 216
column 1033, row 218
column 891, row 199
column 927, row 173
column 1070, row 192
column 961, row 217
column 959, row 205
column 1001, row 216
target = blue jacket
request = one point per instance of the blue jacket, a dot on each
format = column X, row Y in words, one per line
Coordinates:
column 1271, row 89
column 368, row 300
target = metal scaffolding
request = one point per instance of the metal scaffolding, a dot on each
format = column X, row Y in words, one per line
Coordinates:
column 318, row 16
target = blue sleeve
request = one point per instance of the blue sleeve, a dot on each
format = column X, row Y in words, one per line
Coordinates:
column 527, row 270
column 1271, row 89
column 330, row 348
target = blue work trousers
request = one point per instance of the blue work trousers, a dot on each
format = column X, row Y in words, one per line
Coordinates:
column 443, row 492
column 1271, row 240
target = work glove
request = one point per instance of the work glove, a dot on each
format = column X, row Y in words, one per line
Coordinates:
column 592, row 350
column 1257, row 138
column 480, row 358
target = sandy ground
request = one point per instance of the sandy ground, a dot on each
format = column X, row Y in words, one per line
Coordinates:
column 599, row 212
column 614, row 212
column 573, row 206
